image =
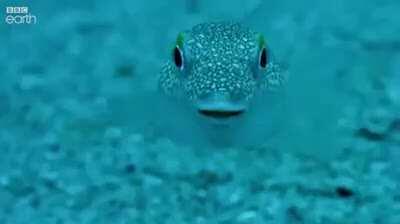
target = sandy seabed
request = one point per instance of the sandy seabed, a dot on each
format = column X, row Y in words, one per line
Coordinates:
column 66, row 157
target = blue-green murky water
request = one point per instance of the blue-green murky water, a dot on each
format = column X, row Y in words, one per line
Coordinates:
column 86, row 136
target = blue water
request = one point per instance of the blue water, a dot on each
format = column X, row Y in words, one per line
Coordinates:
column 86, row 138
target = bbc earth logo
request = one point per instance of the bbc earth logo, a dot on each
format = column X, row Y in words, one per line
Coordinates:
column 19, row 15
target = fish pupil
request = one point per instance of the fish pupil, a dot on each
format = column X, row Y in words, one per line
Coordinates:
column 178, row 57
column 263, row 58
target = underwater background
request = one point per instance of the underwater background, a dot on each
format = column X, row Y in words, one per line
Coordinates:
column 77, row 82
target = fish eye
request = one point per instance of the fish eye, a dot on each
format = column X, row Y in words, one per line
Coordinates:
column 178, row 57
column 263, row 58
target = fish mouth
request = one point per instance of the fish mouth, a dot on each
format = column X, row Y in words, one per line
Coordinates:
column 220, row 106
column 220, row 114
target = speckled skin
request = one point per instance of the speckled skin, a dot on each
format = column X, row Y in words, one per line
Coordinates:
column 220, row 59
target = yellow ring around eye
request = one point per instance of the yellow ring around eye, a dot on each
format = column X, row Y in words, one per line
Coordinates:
column 180, row 40
column 261, row 41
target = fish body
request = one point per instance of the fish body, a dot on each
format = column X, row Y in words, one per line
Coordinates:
column 216, row 70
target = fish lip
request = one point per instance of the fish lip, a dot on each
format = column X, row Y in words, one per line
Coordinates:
column 220, row 106
column 220, row 114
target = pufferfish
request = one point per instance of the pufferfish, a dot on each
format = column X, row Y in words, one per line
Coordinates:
column 218, row 68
